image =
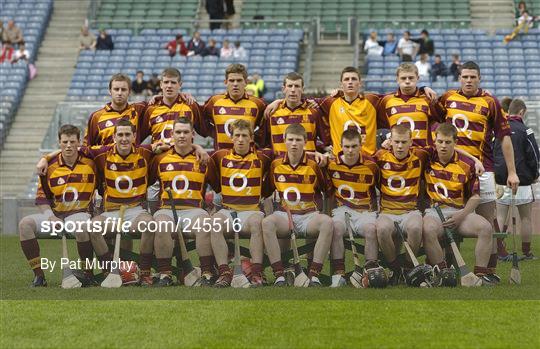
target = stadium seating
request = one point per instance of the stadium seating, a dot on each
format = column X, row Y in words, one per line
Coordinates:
column 271, row 52
column 334, row 14
column 507, row 70
column 110, row 11
column 32, row 16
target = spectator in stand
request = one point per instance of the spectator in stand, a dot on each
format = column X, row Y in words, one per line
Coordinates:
column 426, row 44
column 153, row 84
column 455, row 66
column 104, row 41
column 424, row 67
column 177, row 46
column 239, row 52
column 21, row 54
column 12, row 33
column 255, row 85
column 438, row 68
column 505, row 103
column 407, row 48
column 211, row 49
column 371, row 46
column 226, row 50
column 216, row 11
column 1, row 31
column 7, row 52
column 229, row 11
column 87, row 39
column 139, row 86
column 195, row 46
column 521, row 8
column 390, row 45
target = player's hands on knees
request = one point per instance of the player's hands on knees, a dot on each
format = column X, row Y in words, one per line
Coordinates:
column 455, row 220
column 272, row 107
column 513, row 182
column 41, row 167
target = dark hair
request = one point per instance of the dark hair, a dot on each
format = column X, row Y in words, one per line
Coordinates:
column 350, row 70
column 69, row 130
column 140, row 71
column 516, row 106
column 293, row 76
column 437, row 56
column 505, row 103
column 125, row 122
column 351, row 134
column 446, row 129
column 296, row 129
column 236, row 68
column 470, row 65
column 424, row 32
column 120, row 77
column 183, row 120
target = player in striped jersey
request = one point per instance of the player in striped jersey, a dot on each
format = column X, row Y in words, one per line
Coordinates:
column 179, row 170
column 479, row 118
column 354, row 178
column 409, row 106
column 242, row 181
column 298, row 180
column 401, row 174
column 100, row 130
column 222, row 109
column 123, row 170
column 451, row 182
column 64, row 195
column 292, row 110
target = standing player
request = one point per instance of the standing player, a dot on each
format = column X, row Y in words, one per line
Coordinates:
column 298, row 180
column 452, row 184
column 159, row 118
column 179, row 170
column 478, row 117
column 292, row 110
column 401, row 173
column 354, row 178
column 222, row 109
column 242, row 181
column 409, row 106
column 64, row 195
column 526, row 158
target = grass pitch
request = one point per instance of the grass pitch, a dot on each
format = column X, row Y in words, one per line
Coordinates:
column 503, row 316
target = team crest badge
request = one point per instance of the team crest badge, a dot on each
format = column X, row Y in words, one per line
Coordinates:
column 342, row 110
column 431, row 173
column 222, row 111
column 336, row 175
column 280, row 121
column 159, row 119
column 113, row 167
column 281, row 178
column 387, row 166
column 109, row 123
column 453, row 105
column 170, row 167
column 229, row 164
column 61, row 181
column 393, row 110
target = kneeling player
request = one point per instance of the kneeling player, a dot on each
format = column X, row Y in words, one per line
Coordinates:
column 297, row 180
column 354, row 177
column 401, row 173
column 242, row 173
column 452, row 184
column 179, row 170
column 64, row 194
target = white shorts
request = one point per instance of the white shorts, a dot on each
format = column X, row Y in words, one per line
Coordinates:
column 243, row 216
column 300, row 221
column 39, row 218
column 487, row 187
column 402, row 218
column 152, row 192
column 523, row 196
column 358, row 219
column 129, row 216
column 446, row 211
column 186, row 216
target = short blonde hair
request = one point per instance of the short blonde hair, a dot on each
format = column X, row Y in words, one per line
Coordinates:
column 241, row 124
column 407, row 67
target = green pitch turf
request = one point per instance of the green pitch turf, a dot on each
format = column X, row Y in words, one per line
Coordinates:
column 500, row 317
